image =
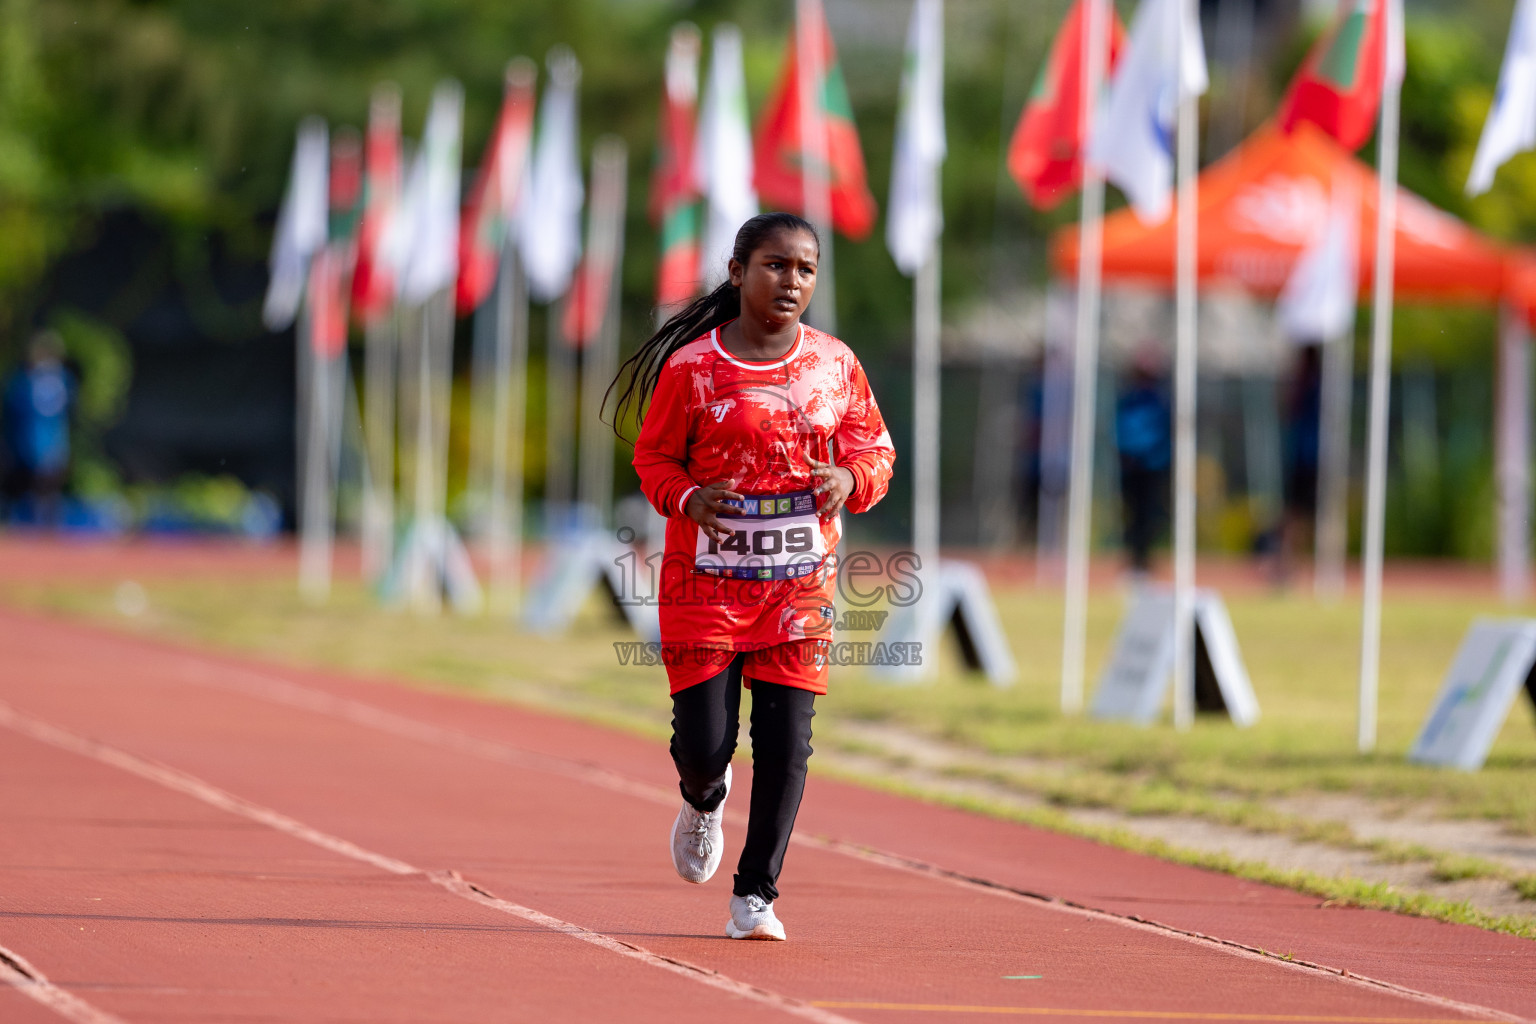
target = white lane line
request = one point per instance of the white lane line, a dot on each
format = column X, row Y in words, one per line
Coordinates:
column 451, row 881
column 1080, row 910
column 30, row 982
column 181, row 782
column 277, row 690
column 190, row 785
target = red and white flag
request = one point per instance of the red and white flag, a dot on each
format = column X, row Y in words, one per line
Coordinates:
column 674, row 187
column 782, row 149
column 494, row 196
column 1339, row 86
column 373, row 290
column 1046, row 154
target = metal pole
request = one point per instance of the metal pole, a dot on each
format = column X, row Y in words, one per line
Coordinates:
column 1184, row 399
column 1333, row 468
column 482, row 398
column 508, row 427
column 559, row 396
column 1513, row 447
column 1085, row 366
column 379, row 399
column 442, row 398
column 605, row 245
column 425, row 594
column 1381, row 364
column 316, row 501
column 815, row 169
column 925, row 422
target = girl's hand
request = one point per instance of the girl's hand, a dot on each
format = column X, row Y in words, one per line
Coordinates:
column 704, row 507
column 834, row 481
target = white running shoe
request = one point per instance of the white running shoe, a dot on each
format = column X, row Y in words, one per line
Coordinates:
column 752, row 918
column 697, row 839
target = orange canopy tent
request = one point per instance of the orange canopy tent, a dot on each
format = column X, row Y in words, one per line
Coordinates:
column 1263, row 203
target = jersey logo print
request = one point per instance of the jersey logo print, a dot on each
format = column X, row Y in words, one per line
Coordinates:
column 719, row 411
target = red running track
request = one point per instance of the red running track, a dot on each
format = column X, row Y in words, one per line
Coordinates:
column 189, row 836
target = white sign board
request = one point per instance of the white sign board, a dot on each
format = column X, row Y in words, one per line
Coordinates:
column 584, row 560
column 959, row 598
column 1136, row 681
column 1491, row 667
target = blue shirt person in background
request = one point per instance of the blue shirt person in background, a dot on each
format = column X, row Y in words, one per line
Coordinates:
column 1143, row 436
column 38, row 400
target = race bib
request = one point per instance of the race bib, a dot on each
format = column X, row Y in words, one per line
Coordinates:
column 777, row 537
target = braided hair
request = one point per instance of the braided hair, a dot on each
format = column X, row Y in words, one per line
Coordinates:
column 636, row 379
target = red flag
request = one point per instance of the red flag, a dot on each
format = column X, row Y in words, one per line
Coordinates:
column 1046, row 154
column 674, row 189
column 1339, row 86
column 493, row 198
column 779, row 153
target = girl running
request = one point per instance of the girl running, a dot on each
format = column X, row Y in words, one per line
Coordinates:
column 758, row 432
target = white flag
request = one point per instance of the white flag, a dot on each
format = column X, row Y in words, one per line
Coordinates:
column 302, row 224
column 1133, row 134
column 723, row 156
column 1511, row 124
column 916, row 214
column 1318, row 301
column 550, row 222
column 421, row 245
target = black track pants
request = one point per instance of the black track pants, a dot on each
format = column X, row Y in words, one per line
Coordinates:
column 704, row 721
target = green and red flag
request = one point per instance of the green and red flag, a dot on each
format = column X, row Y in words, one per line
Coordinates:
column 674, row 185
column 493, row 198
column 373, row 289
column 1339, row 86
column 780, row 144
column 1045, row 155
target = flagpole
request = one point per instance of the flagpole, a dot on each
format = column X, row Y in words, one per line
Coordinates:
column 339, row 379
column 1084, row 374
column 314, row 542
column 407, row 448
column 1333, row 468
column 815, row 167
column 1184, row 390
column 425, row 594
column 309, row 465
column 442, row 400
column 559, row 394
column 1512, row 455
column 610, row 161
column 508, row 426
column 380, row 340
column 482, row 397
column 1381, row 365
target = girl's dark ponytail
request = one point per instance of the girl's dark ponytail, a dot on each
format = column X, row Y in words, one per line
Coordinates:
column 637, row 378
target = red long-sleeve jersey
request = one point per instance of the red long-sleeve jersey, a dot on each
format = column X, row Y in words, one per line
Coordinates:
column 717, row 417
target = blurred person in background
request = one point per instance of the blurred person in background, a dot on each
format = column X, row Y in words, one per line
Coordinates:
column 1031, row 438
column 1300, row 440
column 38, row 399
column 1143, row 436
